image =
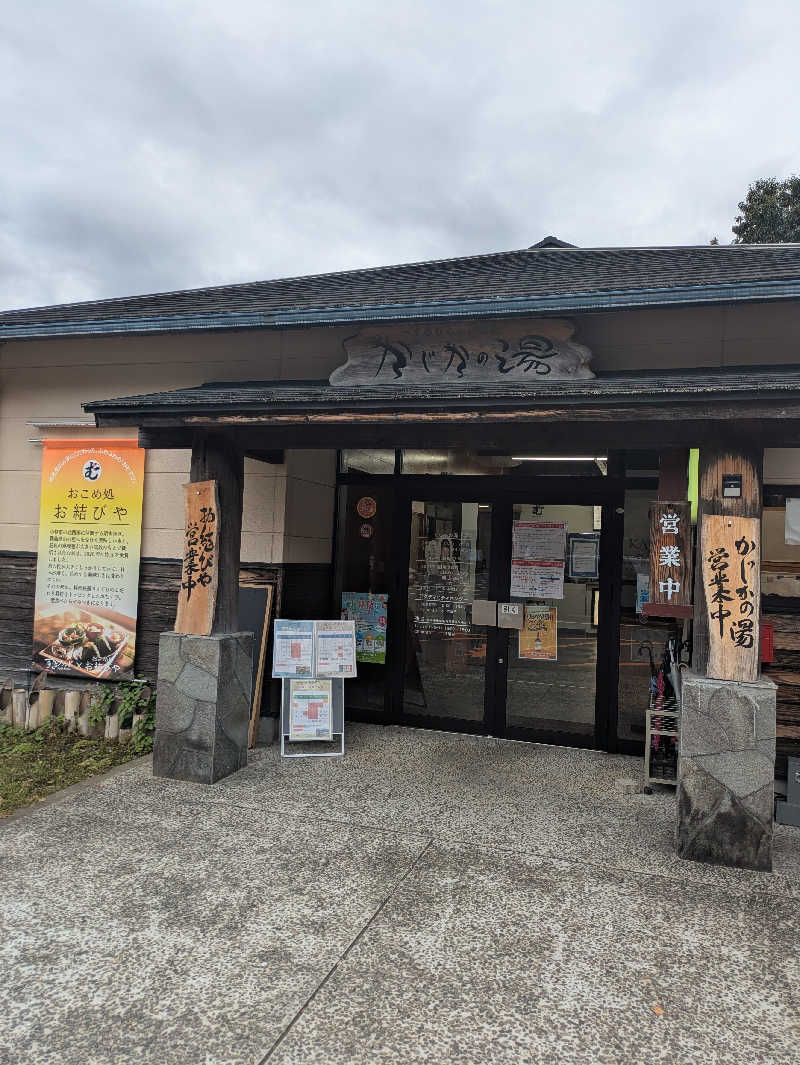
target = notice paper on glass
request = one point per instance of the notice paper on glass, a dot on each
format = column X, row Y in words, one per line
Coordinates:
column 369, row 610
column 335, row 653
column 537, row 579
column 310, row 709
column 584, row 556
column 293, row 652
column 538, row 638
column 535, row 540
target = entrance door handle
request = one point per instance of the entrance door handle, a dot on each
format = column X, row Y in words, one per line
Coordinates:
column 500, row 661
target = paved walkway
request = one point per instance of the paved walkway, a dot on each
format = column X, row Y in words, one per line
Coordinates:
column 436, row 899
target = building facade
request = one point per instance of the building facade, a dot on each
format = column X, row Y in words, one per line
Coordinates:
column 428, row 437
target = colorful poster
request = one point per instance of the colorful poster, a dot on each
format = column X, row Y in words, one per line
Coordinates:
column 87, row 573
column 538, row 638
column 335, row 652
column 293, row 648
column 537, row 540
column 537, row 580
column 310, row 703
column 369, row 612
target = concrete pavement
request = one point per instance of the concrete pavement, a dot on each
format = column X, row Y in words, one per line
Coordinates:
column 432, row 898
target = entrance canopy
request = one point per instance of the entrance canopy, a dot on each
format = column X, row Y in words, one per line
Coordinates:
column 643, row 408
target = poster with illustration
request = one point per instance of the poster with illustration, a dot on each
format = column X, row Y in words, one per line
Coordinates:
column 369, row 612
column 87, row 573
column 538, row 637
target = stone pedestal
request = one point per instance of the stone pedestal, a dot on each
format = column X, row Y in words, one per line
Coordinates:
column 727, row 772
column 202, row 706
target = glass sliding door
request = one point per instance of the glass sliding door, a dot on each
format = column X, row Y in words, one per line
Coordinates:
column 554, row 575
column 446, row 651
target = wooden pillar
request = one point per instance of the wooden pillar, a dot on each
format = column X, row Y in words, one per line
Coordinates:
column 216, row 458
column 745, row 459
column 673, row 473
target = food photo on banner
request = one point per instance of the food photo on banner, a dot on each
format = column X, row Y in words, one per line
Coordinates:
column 87, row 574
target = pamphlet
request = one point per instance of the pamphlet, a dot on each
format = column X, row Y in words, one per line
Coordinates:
column 293, row 654
column 335, row 654
column 310, row 703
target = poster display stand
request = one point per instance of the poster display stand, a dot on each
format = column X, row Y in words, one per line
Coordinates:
column 335, row 720
column 312, row 660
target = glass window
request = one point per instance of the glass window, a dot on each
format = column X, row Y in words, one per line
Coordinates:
column 448, row 570
column 362, row 584
column 552, row 660
column 641, row 640
column 457, row 461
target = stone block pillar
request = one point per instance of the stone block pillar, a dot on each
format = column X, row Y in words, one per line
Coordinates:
column 726, row 772
column 202, row 705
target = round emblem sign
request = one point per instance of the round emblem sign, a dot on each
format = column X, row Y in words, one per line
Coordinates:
column 366, row 507
column 366, row 530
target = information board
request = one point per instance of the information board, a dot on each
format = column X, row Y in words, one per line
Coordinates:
column 293, row 649
column 335, row 649
column 310, row 709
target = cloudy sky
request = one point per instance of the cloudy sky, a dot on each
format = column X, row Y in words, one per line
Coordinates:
column 161, row 144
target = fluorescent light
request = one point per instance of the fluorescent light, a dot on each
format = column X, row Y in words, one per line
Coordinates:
column 559, row 458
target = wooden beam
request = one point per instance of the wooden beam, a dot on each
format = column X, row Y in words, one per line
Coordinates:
column 216, row 458
column 745, row 458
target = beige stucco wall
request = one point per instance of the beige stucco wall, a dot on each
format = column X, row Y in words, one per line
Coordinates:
column 288, row 509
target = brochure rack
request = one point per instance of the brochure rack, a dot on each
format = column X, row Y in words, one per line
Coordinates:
column 312, row 659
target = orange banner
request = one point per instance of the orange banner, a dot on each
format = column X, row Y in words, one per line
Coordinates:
column 87, row 574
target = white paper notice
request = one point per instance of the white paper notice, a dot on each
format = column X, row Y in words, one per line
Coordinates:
column 540, row 579
column 310, row 703
column 336, row 648
column 792, row 531
column 539, row 540
column 293, row 654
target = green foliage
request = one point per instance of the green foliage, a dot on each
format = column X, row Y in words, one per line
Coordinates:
column 101, row 704
column 770, row 214
column 35, row 764
column 134, row 697
column 142, row 739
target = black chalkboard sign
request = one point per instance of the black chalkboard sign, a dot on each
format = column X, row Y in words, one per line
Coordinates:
column 255, row 615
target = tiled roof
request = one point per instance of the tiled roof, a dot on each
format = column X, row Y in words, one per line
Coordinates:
column 627, row 388
column 525, row 281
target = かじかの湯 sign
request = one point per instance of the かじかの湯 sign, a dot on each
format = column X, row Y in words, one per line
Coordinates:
column 197, row 598
column 731, row 553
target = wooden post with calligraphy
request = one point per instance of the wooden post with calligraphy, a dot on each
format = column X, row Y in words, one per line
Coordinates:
column 731, row 560
column 197, row 599
column 671, row 559
column 743, row 458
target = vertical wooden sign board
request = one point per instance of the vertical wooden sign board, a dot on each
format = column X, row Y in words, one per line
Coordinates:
column 197, row 598
column 670, row 554
column 731, row 553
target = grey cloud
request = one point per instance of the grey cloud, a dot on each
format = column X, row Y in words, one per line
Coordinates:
column 152, row 146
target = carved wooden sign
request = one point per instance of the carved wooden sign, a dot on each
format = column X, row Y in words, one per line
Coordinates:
column 197, row 598
column 670, row 554
column 731, row 553
column 524, row 353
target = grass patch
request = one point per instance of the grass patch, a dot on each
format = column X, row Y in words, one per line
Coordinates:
column 36, row 764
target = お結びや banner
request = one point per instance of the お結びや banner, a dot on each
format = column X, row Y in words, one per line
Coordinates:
column 87, row 574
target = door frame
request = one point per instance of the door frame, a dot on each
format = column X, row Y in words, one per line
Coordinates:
column 607, row 492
